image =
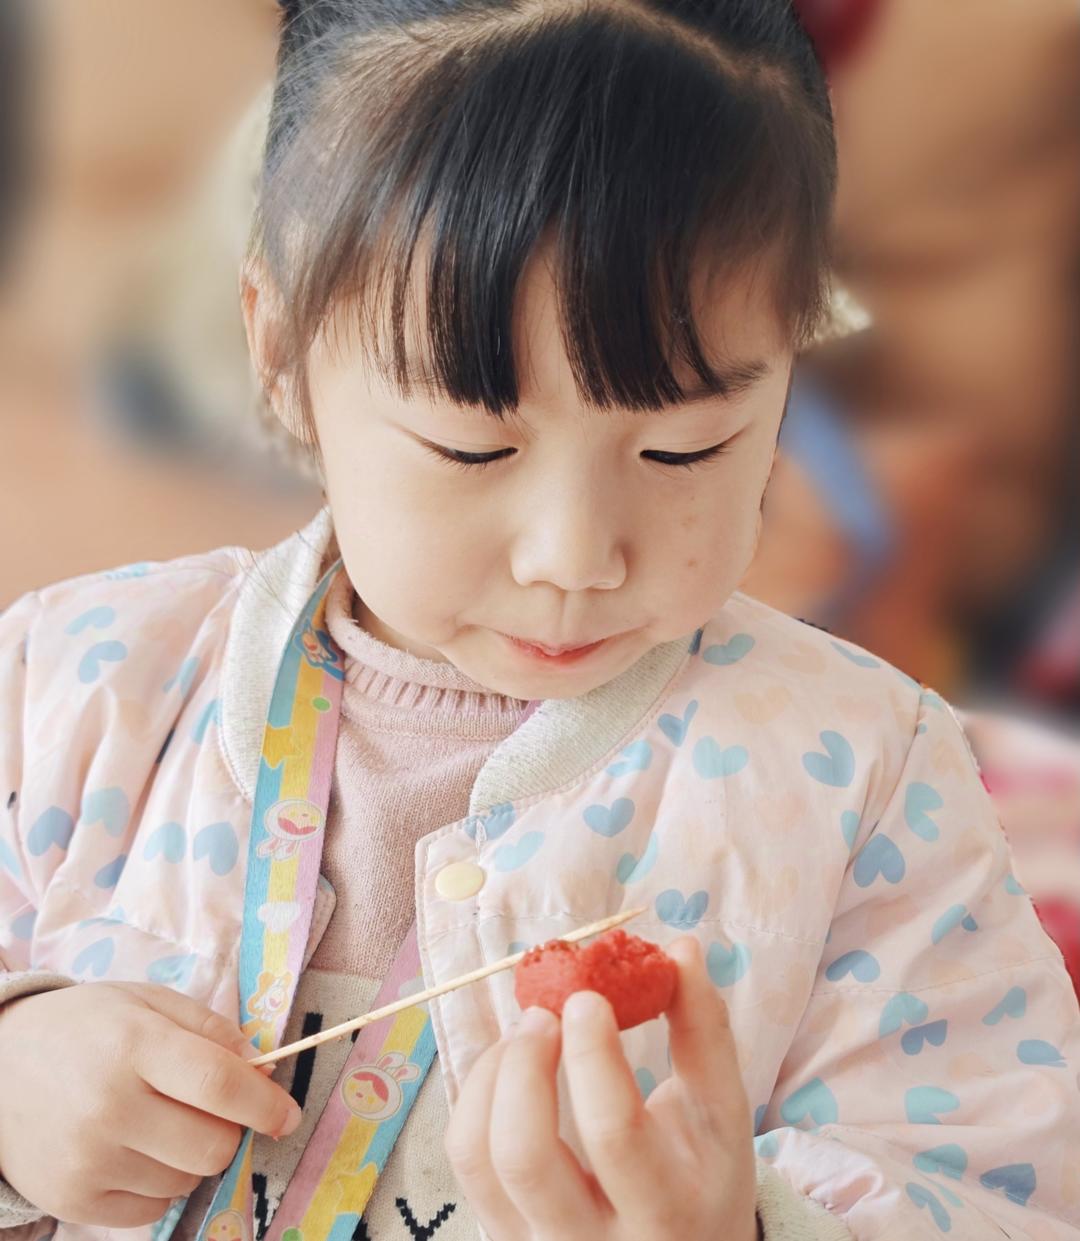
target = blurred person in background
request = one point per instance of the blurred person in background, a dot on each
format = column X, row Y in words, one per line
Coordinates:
column 956, row 231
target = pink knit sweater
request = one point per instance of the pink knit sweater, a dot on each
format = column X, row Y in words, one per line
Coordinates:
column 414, row 734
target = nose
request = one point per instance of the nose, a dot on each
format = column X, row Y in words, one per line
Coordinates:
column 570, row 539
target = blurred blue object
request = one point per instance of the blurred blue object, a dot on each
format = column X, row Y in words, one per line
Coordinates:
column 817, row 436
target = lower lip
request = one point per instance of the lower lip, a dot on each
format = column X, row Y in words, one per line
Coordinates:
column 556, row 661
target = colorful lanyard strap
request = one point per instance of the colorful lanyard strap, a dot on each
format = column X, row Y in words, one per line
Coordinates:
column 368, row 1106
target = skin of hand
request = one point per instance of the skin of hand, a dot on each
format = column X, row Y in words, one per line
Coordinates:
column 678, row 1165
column 119, row 1097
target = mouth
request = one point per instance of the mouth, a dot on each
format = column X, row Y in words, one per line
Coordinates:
column 557, row 655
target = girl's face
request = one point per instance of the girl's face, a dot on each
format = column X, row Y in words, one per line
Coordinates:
column 581, row 530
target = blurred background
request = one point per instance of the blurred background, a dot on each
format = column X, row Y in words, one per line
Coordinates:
column 926, row 504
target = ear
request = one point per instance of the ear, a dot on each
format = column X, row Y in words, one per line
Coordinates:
column 261, row 305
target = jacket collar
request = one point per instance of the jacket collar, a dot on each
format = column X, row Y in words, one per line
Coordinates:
column 558, row 743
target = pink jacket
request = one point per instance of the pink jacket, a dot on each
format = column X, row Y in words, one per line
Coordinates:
column 907, row 1033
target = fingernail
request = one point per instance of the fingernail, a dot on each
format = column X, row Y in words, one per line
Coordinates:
column 536, row 1020
column 583, row 1006
column 292, row 1121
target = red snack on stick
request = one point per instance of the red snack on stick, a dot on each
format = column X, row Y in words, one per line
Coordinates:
column 636, row 977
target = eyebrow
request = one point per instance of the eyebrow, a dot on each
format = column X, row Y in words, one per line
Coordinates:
column 731, row 380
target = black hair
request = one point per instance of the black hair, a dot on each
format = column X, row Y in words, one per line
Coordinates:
column 638, row 137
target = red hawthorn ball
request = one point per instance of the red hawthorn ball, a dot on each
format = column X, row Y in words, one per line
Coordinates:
column 637, row 978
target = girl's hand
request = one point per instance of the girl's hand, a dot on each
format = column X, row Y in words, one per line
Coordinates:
column 119, row 1097
column 677, row 1166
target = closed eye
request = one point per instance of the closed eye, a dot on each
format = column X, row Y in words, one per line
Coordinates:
column 687, row 459
column 467, row 460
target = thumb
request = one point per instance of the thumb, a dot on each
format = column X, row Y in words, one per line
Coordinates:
column 703, row 1053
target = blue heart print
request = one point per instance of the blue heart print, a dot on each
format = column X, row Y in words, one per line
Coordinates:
column 513, row 856
column 912, row 1040
column 675, row 727
column 1013, row 1005
column 879, row 856
column 610, row 820
column 1012, row 886
column 109, row 807
column 169, row 839
column 859, row 658
column 1016, row 1179
column 99, row 653
column 849, row 829
column 923, row 1197
column 949, row 1160
column 861, row 965
column 730, row 652
column 954, row 916
column 109, row 875
column 184, row 677
column 517, row 945
column 835, row 768
column 497, row 822
column 217, row 842
column 727, row 965
column 901, row 1009
column 53, row 827
column 815, row 1100
column 1038, row 1051
column 631, row 869
column 646, row 1081
column 767, row 1146
column 922, row 1103
column 96, row 618
column 95, row 957
column 682, row 913
column 140, row 569
column 173, row 971
column 22, row 927
column 919, row 801
column 636, row 757
column 713, row 763
column 211, row 714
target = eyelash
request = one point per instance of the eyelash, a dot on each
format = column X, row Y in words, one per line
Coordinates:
column 474, row 461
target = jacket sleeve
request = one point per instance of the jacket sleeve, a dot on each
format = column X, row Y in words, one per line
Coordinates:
column 931, row 1086
column 18, row 907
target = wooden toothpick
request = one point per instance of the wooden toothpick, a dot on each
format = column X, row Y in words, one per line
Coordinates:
column 409, row 1001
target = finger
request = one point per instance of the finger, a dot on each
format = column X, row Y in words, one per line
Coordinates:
column 616, row 1130
column 183, row 1011
column 117, row 1209
column 469, row 1151
column 192, row 1069
column 136, row 1173
column 182, row 1137
column 703, row 1054
column 538, row 1170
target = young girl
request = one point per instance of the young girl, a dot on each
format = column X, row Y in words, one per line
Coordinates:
column 529, row 278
